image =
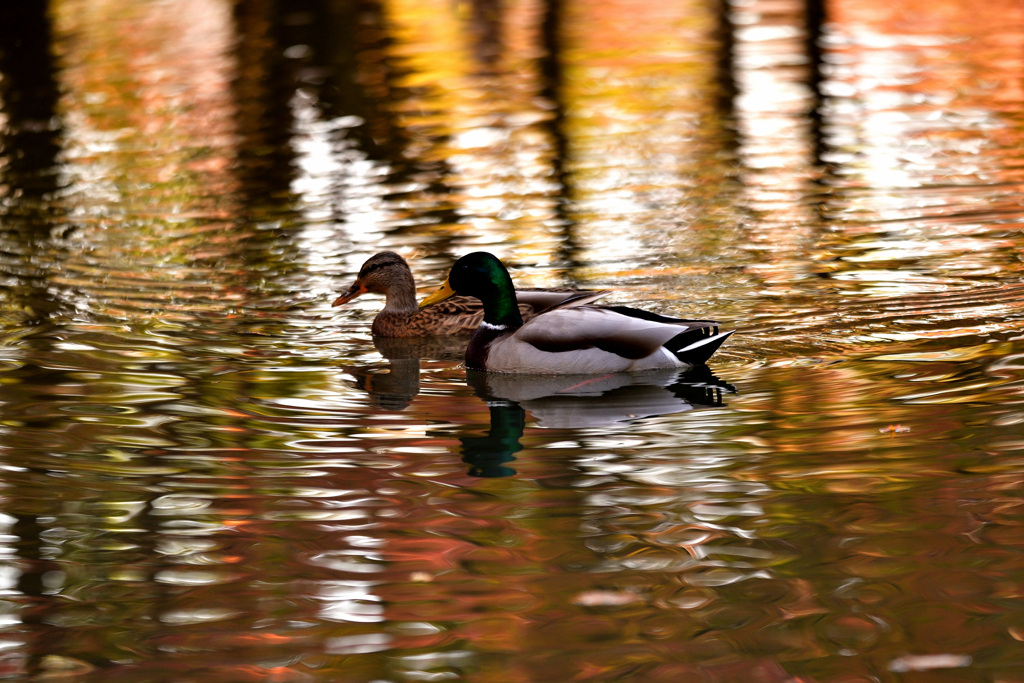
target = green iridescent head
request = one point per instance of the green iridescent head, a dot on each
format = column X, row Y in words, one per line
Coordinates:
column 483, row 276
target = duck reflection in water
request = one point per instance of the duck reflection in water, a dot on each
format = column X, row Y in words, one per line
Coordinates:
column 487, row 455
column 393, row 385
column 567, row 402
column 553, row 401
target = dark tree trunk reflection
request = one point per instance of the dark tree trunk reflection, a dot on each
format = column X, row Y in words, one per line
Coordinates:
column 29, row 149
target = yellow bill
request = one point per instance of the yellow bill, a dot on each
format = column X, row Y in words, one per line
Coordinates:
column 442, row 293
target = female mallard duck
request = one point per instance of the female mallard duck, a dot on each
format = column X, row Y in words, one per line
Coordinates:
column 570, row 338
column 387, row 273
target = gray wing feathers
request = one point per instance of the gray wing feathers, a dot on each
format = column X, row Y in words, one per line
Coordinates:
column 581, row 328
column 542, row 300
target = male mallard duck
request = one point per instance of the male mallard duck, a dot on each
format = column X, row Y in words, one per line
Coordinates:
column 387, row 273
column 569, row 338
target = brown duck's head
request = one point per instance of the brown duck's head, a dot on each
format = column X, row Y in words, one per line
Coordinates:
column 381, row 274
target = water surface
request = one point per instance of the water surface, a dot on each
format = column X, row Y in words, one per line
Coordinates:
column 209, row 474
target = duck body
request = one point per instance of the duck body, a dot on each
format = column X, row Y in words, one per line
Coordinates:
column 587, row 340
column 389, row 274
column 570, row 338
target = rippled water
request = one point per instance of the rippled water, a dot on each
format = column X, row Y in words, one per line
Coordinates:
column 207, row 473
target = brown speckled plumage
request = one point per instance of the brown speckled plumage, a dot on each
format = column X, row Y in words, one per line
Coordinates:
column 388, row 273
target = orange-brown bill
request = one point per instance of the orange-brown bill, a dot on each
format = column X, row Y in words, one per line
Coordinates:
column 351, row 293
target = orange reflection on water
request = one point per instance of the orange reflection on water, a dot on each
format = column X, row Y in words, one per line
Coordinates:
column 929, row 94
column 141, row 73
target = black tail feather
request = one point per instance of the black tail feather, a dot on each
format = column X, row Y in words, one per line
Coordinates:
column 697, row 346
